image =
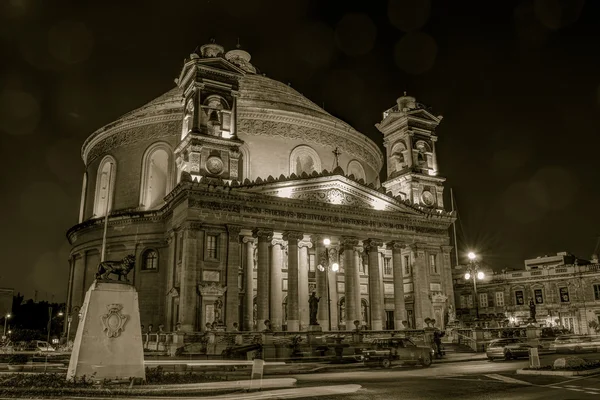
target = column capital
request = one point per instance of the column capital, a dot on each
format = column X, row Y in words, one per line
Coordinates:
column 234, row 233
column 305, row 243
column 170, row 236
column 447, row 249
column 264, row 234
column 278, row 242
column 293, row 236
column 396, row 245
column 349, row 242
column 372, row 244
column 247, row 239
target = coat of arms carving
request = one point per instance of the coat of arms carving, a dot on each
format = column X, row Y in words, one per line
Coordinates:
column 114, row 321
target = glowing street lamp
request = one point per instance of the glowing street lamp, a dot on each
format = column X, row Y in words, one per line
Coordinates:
column 6, row 317
column 334, row 267
column 474, row 274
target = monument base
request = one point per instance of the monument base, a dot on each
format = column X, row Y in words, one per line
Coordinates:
column 108, row 343
column 315, row 328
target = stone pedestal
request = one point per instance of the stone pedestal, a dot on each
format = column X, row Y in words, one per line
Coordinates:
column 108, row 343
column 313, row 331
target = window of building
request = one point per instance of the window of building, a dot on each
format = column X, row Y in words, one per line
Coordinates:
column 470, row 301
column 597, row 291
column 387, row 266
column 499, row 299
column 156, row 178
column 211, row 246
column 463, row 301
column 311, row 263
column 564, row 294
column 539, row 296
column 150, row 260
column 433, row 264
column 519, row 298
column 407, row 265
column 105, row 184
column 483, row 300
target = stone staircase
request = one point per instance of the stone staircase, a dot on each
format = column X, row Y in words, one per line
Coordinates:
column 456, row 348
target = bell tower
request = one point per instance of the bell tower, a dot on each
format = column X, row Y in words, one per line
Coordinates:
column 409, row 139
column 209, row 145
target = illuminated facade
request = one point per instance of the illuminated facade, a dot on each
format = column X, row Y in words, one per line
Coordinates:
column 225, row 187
column 564, row 289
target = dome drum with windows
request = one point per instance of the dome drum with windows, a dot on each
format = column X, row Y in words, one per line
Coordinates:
column 222, row 187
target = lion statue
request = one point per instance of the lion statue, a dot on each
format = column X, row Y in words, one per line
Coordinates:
column 119, row 268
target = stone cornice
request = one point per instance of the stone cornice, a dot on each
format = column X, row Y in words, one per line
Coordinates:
column 170, row 114
column 233, row 200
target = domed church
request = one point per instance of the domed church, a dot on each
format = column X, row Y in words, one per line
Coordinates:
column 240, row 198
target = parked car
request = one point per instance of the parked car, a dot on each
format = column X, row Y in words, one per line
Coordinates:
column 507, row 349
column 576, row 344
column 403, row 350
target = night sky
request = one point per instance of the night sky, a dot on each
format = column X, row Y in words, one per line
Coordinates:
column 518, row 84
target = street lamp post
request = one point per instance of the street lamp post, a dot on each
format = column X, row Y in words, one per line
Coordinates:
column 474, row 274
column 329, row 267
column 6, row 317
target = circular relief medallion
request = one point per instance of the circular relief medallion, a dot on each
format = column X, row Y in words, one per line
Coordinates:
column 214, row 165
column 428, row 198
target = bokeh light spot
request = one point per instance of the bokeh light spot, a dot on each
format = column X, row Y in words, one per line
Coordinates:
column 409, row 15
column 553, row 188
column 19, row 112
column 556, row 14
column 415, row 53
column 355, row 34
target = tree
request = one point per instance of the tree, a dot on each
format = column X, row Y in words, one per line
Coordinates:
column 595, row 326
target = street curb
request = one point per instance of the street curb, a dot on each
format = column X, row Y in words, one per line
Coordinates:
column 558, row 373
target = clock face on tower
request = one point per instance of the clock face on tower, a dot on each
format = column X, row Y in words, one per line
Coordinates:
column 214, row 165
column 428, row 198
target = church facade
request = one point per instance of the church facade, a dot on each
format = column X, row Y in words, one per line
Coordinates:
column 240, row 198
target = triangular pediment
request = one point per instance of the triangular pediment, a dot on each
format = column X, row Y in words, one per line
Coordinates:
column 334, row 189
column 220, row 64
column 424, row 115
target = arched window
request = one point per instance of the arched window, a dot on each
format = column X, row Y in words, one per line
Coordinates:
column 304, row 159
column 187, row 124
column 156, row 176
column 423, row 155
column 150, row 260
column 355, row 168
column 105, row 186
column 398, row 157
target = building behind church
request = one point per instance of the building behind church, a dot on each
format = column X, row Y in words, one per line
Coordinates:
column 226, row 188
column 565, row 290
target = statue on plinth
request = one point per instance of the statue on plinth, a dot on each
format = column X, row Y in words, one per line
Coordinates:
column 119, row 268
column 532, row 309
column 313, row 303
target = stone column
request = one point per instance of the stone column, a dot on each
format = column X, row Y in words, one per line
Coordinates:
column 446, row 266
column 351, row 287
column 232, row 300
column 399, row 306
column 321, row 277
column 249, row 284
column 277, row 246
column 69, row 290
column 188, row 295
column 421, row 286
column 358, row 255
column 293, row 319
column 262, row 291
column 304, row 313
column 169, row 323
column 372, row 248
